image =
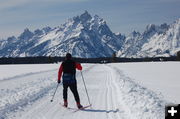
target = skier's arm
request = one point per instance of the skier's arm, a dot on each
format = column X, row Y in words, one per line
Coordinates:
column 78, row 66
column 60, row 73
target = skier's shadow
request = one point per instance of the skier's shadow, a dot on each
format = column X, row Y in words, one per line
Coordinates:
column 100, row 110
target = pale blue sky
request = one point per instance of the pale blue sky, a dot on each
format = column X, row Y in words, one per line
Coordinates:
column 122, row 16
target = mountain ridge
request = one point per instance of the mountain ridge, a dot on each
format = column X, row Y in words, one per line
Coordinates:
column 90, row 37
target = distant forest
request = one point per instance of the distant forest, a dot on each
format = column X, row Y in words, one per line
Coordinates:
column 113, row 59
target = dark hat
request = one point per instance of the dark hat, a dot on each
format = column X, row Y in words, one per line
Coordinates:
column 68, row 56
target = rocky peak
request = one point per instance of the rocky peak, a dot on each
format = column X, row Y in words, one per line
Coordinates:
column 47, row 29
column 38, row 32
column 27, row 34
column 85, row 17
column 135, row 34
column 9, row 39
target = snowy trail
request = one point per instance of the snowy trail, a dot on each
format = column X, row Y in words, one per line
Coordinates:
column 23, row 90
column 113, row 96
column 142, row 103
column 102, row 93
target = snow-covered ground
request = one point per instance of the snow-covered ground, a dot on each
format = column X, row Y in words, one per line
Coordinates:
column 161, row 77
column 11, row 71
column 117, row 91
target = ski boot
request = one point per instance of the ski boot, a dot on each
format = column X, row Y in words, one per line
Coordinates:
column 65, row 103
column 79, row 105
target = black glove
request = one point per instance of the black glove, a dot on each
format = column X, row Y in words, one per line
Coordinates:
column 59, row 81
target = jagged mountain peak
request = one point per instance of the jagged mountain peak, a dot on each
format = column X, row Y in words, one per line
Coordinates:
column 85, row 22
column 155, row 28
column 156, row 40
column 38, row 32
column 99, row 20
column 47, row 29
column 85, row 17
column 42, row 31
column 177, row 21
column 164, row 26
column 135, row 34
column 150, row 30
column 11, row 38
column 27, row 30
column 27, row 34
column 89, row 36
column 150, row 27
column 83, row 36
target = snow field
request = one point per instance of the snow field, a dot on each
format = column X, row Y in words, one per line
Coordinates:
column 12, row 71
column 115, row 92
column 161, row 77
column 142, row 102
column 24, row 91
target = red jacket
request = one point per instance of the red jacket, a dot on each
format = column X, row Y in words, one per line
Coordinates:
column 78, row 66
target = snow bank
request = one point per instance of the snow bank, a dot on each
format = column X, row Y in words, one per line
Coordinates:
column 161, row 77
column 141, row 102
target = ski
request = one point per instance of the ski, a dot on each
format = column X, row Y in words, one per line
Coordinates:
column 84, row 107
column 76, row 109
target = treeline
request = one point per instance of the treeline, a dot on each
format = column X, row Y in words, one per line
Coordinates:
column 45, row 60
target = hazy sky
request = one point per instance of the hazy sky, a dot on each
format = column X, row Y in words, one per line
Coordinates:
column 122, row 16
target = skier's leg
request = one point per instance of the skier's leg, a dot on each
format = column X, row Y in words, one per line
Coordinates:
column 73, row 88
column 65, row 89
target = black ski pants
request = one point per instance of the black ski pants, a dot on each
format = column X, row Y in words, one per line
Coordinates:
column 73, row 88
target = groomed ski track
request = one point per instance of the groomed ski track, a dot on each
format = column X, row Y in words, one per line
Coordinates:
column 113, row 96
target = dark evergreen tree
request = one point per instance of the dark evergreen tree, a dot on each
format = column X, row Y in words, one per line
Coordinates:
column 178, row 56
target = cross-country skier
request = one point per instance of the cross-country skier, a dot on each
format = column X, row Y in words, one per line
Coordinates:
column 68, row 67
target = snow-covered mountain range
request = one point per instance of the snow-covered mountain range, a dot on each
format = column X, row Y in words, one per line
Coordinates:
column 163, row 40
column 89, row 36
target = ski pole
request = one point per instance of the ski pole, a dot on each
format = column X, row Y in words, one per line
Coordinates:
column 85, row 88
column 54, row 93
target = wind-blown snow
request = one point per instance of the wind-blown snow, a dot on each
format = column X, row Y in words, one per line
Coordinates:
column 118, row 91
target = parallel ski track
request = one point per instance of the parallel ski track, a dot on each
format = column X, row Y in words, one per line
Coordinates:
column 109, row 90
column 114, row 108
column 139, row 101
column 33, row 87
